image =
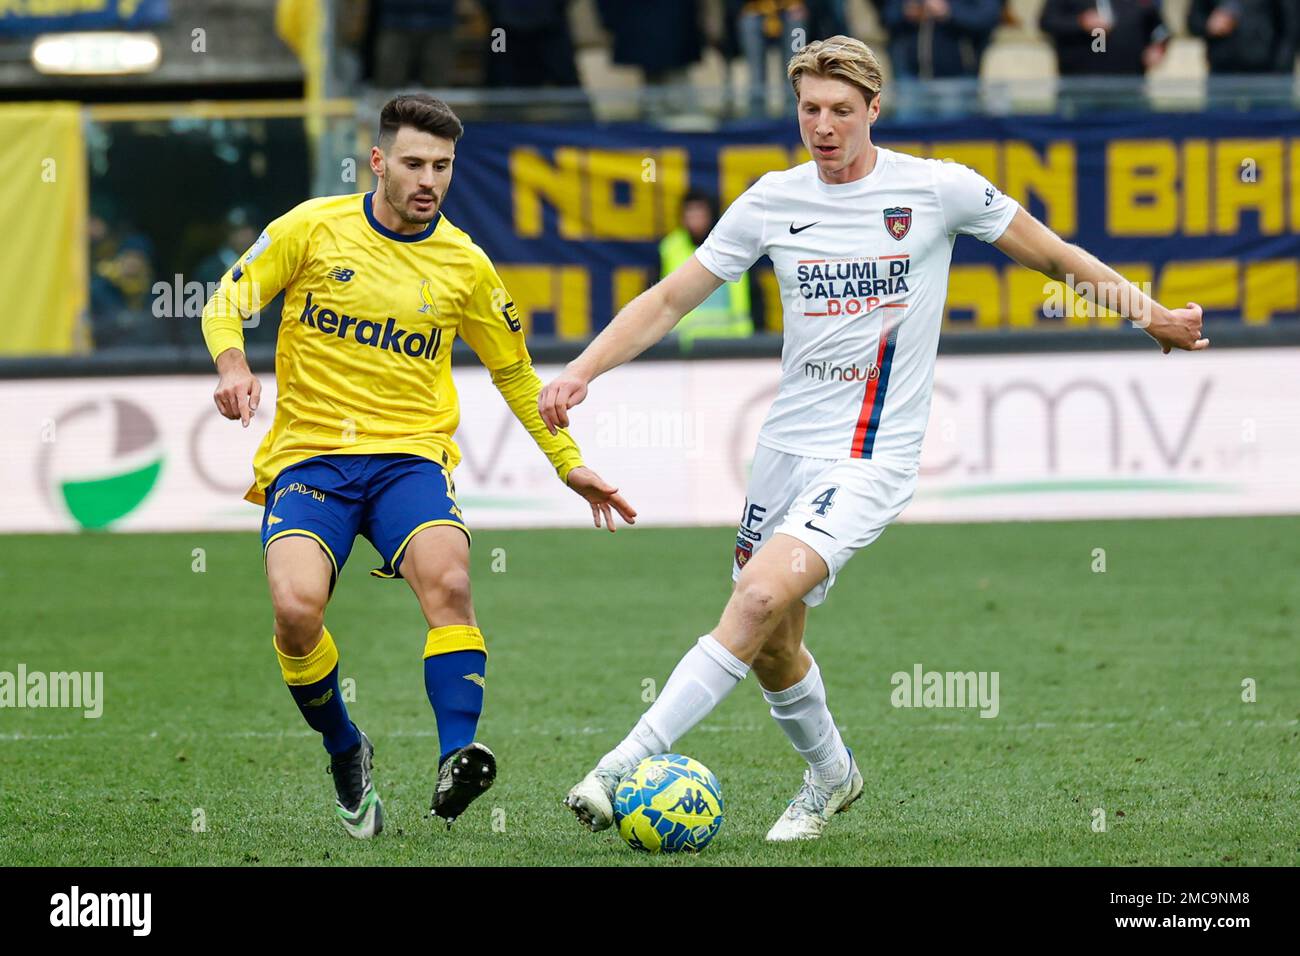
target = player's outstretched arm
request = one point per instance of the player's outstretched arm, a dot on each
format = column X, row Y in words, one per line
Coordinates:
column 640, row 324
column 1034, row 246
column 520, row 387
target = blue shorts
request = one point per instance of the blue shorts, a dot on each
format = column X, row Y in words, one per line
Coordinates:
column 333, row 498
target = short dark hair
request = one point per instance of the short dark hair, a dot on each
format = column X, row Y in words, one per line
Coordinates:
column 426, row 113
column 696, row 194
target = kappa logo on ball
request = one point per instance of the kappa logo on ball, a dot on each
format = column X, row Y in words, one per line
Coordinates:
column 898, row 220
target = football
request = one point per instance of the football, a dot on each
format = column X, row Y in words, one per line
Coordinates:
column 669, row 804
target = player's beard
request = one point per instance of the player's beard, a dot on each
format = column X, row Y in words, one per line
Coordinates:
column 399, row 204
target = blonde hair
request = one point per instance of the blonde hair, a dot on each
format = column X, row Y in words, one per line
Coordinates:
column 840, row 58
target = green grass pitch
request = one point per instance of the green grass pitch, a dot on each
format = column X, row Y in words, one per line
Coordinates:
column 1119, row 690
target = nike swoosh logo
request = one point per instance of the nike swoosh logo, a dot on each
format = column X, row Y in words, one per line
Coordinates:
column 812, row 527
column 795, row 232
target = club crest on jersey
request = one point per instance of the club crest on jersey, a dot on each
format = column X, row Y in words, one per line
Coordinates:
column 426, row 296
column 898, row 219
column 744, row 551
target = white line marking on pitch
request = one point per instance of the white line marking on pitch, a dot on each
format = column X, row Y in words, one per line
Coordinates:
column 704, row 728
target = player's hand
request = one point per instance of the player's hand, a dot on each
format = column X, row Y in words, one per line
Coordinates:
column 558, row 397
column 937, row 9
column 603, row 498
column 1179, row 329
column 1221, row 22
column 1092, row 20
column 238, row 390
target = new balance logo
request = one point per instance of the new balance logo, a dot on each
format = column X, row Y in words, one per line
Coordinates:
column 476, row 679
column 322, row 700
column 511, row 316
column 387, row 336
column 343, row 275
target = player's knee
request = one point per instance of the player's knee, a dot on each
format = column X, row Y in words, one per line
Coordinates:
column 298, row 621
column 757, row 602
column 451, row 590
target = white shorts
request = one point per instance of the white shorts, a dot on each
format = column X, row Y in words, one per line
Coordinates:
column 835, row 506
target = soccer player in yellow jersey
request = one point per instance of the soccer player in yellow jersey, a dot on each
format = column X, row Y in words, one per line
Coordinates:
column 376, row 288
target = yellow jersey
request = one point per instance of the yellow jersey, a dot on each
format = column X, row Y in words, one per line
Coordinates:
column 363, row 355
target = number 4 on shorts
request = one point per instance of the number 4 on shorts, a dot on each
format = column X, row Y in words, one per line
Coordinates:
column 824, row 501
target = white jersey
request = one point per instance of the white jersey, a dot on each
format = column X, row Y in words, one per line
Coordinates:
column 863, row 272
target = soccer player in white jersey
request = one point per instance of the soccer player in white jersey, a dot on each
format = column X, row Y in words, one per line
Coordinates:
column 860, row 238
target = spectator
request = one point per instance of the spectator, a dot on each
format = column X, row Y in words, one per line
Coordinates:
column 826, row 18
column 538, row 45
column 103, row 243
column 937, row 39
column 725, row 313
column 414, row 42
column 762, row 25
column 821, row 19
column 1105, row 37
column 662, row 38
column 121, row 304
column 1247, row 36
column 240, row 233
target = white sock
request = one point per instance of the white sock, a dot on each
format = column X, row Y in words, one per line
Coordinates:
column 801, row 712
column 699, row 682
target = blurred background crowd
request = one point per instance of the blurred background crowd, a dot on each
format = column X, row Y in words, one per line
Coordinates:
column 679, row 64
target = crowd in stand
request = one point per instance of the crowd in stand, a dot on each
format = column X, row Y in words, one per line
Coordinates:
column 416, row 40
column 530, row 44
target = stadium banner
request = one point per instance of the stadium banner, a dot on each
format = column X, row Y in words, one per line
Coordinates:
column 44, row 273
column 1058, row 436
column 1201, row 206
column 23, row 17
